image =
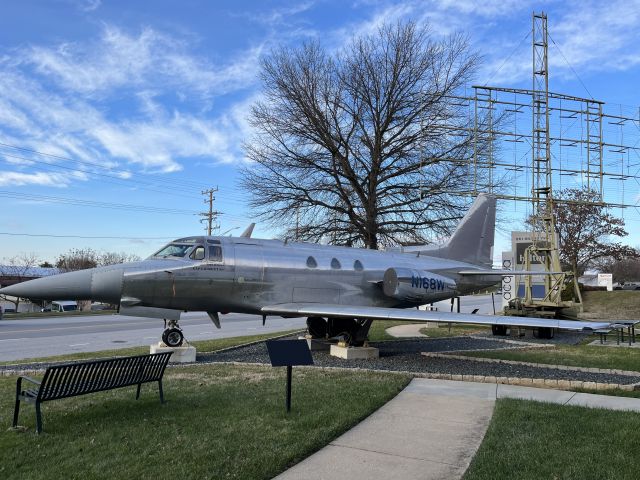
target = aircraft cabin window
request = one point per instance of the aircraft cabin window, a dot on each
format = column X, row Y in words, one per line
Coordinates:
column 198, row 253
column 357, row 266
column 311, row 262
column 215, row 253
column 335, row 264
column 173, row 250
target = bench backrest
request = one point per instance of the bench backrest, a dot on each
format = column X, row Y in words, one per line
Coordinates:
column 73, row 379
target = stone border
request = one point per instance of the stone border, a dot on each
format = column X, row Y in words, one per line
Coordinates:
column 542, row 382
column 628, row 373
column 508, row 341
column 523, row 382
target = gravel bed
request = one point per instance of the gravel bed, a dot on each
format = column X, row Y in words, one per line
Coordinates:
column 564, row 337
column 405, row 356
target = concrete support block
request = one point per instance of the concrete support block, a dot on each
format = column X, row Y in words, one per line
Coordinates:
column 316, row 345
column 354, row 353
column 184, row 354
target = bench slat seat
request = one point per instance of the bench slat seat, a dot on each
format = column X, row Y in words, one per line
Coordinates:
column 81, row 378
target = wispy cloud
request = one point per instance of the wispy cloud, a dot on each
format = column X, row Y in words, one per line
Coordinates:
column 14, row 179
column 58, row 100
column 120, row 60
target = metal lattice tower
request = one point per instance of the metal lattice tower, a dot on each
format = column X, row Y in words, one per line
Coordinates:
column 545, row 245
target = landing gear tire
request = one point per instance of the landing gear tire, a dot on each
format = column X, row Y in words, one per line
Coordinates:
column 499, row 330
column 546, row 333
column 317, row 327
column 172, row 337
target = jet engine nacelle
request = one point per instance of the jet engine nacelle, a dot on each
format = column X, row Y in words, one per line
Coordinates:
column 416, row 286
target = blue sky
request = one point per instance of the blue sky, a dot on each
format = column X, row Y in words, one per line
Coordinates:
column 144, row 104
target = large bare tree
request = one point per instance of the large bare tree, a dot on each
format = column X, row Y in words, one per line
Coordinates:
column 351, row 146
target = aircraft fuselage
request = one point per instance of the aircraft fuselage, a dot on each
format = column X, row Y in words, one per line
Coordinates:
column 252, row 273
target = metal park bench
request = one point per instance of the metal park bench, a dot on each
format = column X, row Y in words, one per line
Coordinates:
column 70, row 380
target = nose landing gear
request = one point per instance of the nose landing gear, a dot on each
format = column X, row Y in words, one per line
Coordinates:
column 172, row 335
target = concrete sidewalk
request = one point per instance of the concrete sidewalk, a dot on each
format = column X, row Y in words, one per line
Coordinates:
column 431, row 430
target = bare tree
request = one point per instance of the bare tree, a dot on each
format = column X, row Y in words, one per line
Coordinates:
column 77, row 259
column 352, row 147
column 82, row 258
column 585, row 228
column 18, row 269
column 113, row 258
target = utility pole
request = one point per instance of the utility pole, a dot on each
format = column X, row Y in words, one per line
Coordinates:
column 210, row 215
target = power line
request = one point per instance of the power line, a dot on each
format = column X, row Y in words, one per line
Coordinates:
column 91, row 203
column 13, row 234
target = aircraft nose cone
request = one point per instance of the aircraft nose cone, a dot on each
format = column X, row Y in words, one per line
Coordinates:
column 66, row 286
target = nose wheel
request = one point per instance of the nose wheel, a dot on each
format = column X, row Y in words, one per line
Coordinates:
column 172, row 335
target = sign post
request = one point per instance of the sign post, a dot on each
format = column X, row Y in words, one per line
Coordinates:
column 287, row 353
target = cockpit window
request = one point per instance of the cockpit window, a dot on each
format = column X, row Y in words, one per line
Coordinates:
column 173, row 250
column 198, row 253
column 215, row 253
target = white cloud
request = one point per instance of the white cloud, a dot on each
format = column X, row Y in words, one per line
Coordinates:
column 13, row 179
column 64, row 109
column 151, row 59
column 599, row 36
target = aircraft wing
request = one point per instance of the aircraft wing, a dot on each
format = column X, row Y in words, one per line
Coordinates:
column 506, row 273
column 413, row 315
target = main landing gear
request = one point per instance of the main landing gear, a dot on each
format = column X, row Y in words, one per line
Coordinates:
column 172, row 335
column 348, row 330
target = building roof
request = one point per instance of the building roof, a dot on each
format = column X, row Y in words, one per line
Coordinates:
column 31, row 272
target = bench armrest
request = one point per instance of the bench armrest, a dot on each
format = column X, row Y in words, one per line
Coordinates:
column 32, row 380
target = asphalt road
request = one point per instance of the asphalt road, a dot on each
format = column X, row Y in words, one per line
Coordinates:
column 42, row 337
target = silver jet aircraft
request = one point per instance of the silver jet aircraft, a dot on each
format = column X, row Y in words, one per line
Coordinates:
column 340, row 290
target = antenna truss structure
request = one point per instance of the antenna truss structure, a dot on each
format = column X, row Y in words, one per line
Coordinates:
column 530, row 143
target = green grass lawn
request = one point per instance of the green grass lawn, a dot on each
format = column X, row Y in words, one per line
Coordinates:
column 220, row 421
column 532, row 440
column 572, row 355
column 202, row 346
column 456, row 330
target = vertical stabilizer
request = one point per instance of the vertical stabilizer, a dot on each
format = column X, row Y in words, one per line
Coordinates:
column 472, row 240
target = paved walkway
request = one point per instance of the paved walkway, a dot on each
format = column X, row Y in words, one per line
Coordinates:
column 431, row 430
column 407, row 331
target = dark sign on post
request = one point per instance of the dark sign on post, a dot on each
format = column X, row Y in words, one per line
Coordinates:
column 286, row 353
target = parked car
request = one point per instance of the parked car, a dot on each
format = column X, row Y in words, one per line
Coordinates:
column 64, row 306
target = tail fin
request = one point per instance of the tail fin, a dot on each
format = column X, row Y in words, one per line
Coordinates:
column 472, row 240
